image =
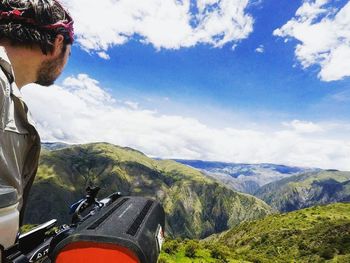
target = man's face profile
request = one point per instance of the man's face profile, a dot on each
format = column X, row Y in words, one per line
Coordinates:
column 51, row 68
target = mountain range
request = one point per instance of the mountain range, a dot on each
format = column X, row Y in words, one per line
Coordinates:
column 196, row 205
column 202, row 202
column 246, row 178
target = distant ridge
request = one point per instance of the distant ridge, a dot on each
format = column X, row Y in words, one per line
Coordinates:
column 305, row 190
column 247, row 178
column 51, row 146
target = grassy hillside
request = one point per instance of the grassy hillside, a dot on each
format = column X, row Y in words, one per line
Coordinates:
column 317, row 234
column 307, row 190
column 196, row 206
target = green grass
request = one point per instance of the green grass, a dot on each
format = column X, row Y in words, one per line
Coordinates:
column 175, row 251
column 317, row 234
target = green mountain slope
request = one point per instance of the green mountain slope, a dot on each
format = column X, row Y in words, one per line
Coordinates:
column 196, row 206
column 317, row 234
column 307, row 190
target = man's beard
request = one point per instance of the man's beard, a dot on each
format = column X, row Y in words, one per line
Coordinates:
column 48, row 71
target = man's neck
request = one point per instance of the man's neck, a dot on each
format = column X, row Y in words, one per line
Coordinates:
column 24, row 63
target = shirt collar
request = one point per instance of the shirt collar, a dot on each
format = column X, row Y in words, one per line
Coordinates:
column 6, row 64
column 16, row 92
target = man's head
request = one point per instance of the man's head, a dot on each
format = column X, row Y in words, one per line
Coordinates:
column 38, row 25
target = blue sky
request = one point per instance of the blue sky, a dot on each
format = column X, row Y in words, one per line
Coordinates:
column 273, row 66
column 270, row 85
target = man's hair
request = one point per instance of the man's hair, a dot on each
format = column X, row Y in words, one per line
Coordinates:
column 30, row 22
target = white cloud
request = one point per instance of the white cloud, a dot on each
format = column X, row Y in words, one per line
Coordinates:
column 303, row 126
column 103, row 55
column 133, row 105
column 80, row 111
column 323, row 33
column 343, row 96
column 169, row 24
column 260, row 49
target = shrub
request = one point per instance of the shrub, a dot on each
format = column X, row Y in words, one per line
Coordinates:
column 218, row 253
column 171, row 247
column 327, row 253
column 190, row 249
column 162, row 260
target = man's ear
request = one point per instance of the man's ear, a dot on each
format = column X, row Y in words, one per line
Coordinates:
column 57, row 46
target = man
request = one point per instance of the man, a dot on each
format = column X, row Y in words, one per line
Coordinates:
column 35, row 42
